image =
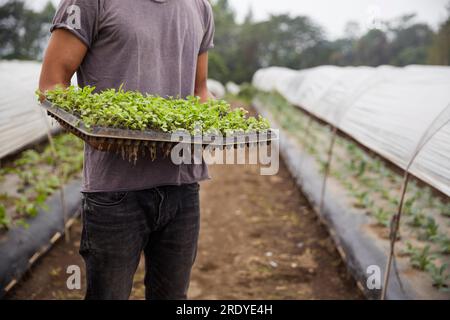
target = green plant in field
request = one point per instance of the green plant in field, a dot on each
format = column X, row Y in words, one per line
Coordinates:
column 136, row 111
column 311, row 150
column 4, row 219
column 25, row 207
column 439, row 275
column 323, row 164
column 247, row 92
column 444, row 208
column 394, row 201
column 418, row 219
column 431, row 229
column 420, row 258
column 361, row 169
column 429, row 196
column 27, row 157
column 383, row 217
column 350, row 185
column 408, row 208
column 375, row 165
column 362, row 199
column 350, row 166
column 352, row 149
column 385, row 193
column 37, row 179
column 444, row 243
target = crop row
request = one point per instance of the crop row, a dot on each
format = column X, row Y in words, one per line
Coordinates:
column 374, row 189
column 35, row 175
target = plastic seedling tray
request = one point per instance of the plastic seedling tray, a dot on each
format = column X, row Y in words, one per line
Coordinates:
column 132, row 142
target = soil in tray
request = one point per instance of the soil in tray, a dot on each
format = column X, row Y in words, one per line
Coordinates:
column 275, row 246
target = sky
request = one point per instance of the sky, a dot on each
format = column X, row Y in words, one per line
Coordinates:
column 333, row 15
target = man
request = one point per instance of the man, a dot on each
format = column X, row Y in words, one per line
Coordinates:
column 157, row 47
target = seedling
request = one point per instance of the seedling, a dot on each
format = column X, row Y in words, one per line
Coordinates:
column 408, row 206
column 418, row 220
column 383, row 217
column 37, row 179
column 431, row 229
column 323, row 166
column 363, row 200
column 420, row 258
column 25, row 207
column 439, row 275
column 444, row 243
column 361, row 168
column 445, row 209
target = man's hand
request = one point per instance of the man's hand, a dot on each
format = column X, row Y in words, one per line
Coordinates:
column 201, row 78
column 63, row 56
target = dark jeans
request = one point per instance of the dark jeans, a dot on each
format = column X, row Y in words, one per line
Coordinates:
column 162, row 222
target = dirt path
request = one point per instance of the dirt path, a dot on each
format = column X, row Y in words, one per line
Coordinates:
column 259, row 240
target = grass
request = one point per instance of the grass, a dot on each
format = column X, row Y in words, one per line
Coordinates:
column 38, row 179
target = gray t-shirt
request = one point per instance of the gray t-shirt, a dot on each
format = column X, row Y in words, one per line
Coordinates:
column 146, row 45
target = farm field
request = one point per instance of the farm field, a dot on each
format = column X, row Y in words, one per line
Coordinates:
column 254, row 150
column 259, row 240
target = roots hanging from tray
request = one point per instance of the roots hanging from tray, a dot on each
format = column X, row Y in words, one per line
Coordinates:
column 130, row 149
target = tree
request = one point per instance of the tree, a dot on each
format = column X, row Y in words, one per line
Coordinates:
column 243, row 48
column 222, row 58
column 372, row 49
column 23, row 31
column 410, row 41
column 284, row 38
column 439, row 52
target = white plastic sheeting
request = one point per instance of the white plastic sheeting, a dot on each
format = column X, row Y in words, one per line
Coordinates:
column 387, row 109
column 233, row 88
column 21, row 121
column 216, row 88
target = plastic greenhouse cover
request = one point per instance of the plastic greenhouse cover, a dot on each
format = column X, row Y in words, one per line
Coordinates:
column 388, row 109
column 21, row 121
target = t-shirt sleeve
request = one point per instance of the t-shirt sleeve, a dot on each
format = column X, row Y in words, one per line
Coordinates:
column 208, row 37
column 80, row 17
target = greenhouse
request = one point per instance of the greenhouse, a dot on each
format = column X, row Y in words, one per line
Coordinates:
column 367, row 130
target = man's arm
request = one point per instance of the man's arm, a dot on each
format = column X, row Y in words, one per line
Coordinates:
column 201, row 78
column 63, row 56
